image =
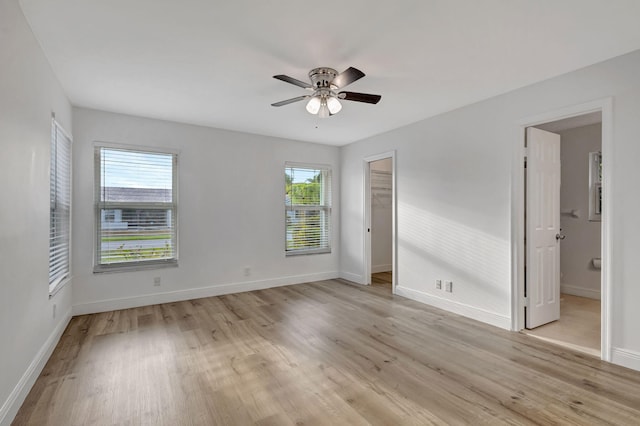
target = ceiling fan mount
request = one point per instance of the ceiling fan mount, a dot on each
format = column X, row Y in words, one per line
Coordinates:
column 325, row 81
column 322, row 77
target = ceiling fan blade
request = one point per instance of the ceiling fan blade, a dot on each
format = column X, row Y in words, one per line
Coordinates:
column 347, row 77
column 360, row 97
column 292, row 80
column 290, row 101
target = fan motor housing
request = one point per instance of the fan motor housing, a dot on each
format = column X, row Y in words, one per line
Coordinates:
column 322, row 77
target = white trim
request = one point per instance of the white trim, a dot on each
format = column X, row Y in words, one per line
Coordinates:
column 59, row 286
column 196, row 293
column 316, row 166
column 367, row 267
column 488, row 317
column 626, row 358
column 580, row 291
column 358, row 279
column 17, row 396
column 381, row 268
column 137, row 148
column 366, row 212
column 606, row 232
column 604, row 105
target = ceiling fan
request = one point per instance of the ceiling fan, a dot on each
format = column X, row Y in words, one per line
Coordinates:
column 325, row 83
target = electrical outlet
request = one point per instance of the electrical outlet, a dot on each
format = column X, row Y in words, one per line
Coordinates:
column 448, row 286
column 247, row 271
column 439, row 284
column 156, row 281
column 54, row 310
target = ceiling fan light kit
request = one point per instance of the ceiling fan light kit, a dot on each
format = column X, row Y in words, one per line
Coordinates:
column 324, row 102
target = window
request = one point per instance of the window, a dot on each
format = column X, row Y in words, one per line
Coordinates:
column 307, row 209
column 59, row 207
column 595, row 186
column 136, row 208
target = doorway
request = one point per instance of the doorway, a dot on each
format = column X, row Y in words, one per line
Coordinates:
column 570, row 314
column 580, row 296
column 380, row 266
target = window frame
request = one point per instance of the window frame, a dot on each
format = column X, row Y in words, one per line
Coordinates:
column 326, row 195
column 60, row 280
column 595, row 186
column 99, row 267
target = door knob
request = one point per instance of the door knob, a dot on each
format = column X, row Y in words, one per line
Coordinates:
column 560, row 237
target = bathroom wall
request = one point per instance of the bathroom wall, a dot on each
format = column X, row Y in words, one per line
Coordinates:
column 582, row 243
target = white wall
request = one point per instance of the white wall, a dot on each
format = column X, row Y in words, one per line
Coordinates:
column 578, row 276
column 230, row 214
column 453, row 178
column 29, row 93
column 381, row 217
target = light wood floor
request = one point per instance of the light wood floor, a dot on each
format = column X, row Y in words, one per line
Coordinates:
column 578, row 326
column 324, row 353
column 382, row 280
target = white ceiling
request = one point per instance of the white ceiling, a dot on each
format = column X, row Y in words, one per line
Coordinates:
column 211, row 62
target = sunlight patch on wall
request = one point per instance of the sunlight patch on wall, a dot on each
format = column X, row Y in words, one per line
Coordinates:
column 469, row 253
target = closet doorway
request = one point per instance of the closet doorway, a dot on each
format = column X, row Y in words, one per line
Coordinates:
column 380, row 226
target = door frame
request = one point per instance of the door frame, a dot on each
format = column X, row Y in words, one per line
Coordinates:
column 366, row 164
column 605, row 106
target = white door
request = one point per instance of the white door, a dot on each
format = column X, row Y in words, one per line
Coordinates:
column 543, row 227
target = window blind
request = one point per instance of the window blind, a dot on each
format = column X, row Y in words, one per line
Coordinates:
column 59, row 206
column 307, row 209
column 136, row 208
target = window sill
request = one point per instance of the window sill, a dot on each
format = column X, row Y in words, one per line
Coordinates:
column 56, row 289
column 134, row 266
column 307, row 252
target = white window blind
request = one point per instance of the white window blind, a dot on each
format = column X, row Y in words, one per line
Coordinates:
column 307, row 209
column 136, row 208
column 59, row 207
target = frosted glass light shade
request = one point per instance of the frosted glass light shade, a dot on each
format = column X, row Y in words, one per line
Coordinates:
column 313, row 106
column 324, row 110
column 334, row 105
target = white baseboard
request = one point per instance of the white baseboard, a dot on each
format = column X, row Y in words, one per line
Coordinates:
column 359, row 279
column 196, row 293
column 580, row 291
column 381, row 268
column 13, row 403
column 626, row 358
column 468, row 311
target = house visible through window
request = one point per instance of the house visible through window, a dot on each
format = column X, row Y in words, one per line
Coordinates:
column 59, row 207
column 136, row 206
column 307, row 209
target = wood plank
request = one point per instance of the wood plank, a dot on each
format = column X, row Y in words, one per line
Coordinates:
column 327, row 352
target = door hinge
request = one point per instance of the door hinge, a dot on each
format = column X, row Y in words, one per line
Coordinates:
column 526, row 301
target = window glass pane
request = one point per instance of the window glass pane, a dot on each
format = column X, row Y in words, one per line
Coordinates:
column 136, row 212
column 131, row 176
column 135, row 235
column 303, row 186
